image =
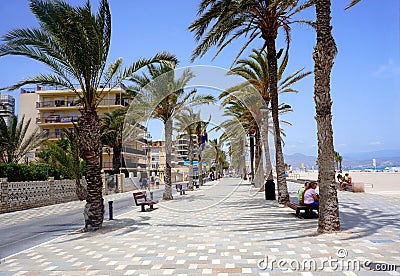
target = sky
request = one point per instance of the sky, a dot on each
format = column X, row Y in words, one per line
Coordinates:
column 365, row 81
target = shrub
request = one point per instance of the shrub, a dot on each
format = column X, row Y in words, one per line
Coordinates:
column 22, row 172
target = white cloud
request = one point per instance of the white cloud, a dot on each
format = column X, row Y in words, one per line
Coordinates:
column 375, row 143
column 387, row 70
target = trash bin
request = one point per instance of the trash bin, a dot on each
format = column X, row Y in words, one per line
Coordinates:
column 270, row 190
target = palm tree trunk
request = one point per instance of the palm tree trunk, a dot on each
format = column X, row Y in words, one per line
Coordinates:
column 264, row 136
column 89, row 141
column 283, row 194
column 244, row 159
column 117, row 158
column 324, row 54
column 259, row 176
column 200, row 167
column 167, row 195
column 191, row 157
column 251, row 158
column 80, row 190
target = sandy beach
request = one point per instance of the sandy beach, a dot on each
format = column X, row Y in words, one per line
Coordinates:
column 384, row 183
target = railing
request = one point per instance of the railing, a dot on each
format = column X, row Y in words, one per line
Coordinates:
column 63, row 103
column 134, row 151
column 57, row 119
column 54, row 134
column 51, row 87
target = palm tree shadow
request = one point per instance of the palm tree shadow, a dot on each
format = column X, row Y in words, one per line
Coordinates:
column 363, row 222
column 125, row 224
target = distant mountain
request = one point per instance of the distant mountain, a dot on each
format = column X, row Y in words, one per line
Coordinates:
column 358, row 160
column 296, row 159
column 382, row 154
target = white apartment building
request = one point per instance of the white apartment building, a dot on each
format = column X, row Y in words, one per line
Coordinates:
column 53, row 109
column 7, row 106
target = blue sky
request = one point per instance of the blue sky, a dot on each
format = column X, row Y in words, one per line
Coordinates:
column 365, row 79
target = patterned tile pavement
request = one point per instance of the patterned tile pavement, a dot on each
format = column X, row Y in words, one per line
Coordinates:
column 224, row 229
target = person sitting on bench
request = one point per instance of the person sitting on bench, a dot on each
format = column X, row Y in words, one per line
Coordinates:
column 301, row 192
column 346, row 181
column 311, row 197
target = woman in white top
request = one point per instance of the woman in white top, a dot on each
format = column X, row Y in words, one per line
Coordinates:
column 310, row 195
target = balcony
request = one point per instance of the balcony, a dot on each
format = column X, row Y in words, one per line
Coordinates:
column 54, row 134
column 75, row 104
column 57, row 119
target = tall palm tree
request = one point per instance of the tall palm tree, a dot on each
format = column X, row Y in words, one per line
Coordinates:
column 186, row 124
column 338, row 161
column 235, row 136
column 216, row 145
column 14, row 141
column 160, row 95
column 222, row 21
column 242, row 106
column 111, row 126
column 324, row 54
column 75, row 43
column 255, row 71
column 201, row 133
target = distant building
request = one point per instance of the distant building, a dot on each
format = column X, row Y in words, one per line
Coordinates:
column 7, row 106
column 179, row 158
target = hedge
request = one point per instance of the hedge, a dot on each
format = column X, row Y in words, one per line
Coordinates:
column 22, row 172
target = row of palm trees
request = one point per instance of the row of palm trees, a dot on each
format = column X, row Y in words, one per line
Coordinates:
column 75, row 42
column 248, row 104
column 220, row 22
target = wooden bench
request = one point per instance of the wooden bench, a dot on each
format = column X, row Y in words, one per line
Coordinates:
column 297, row 207
column 180, row 189
column 141, row 200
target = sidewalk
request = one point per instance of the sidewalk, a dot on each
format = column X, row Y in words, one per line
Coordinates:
column 223, row 229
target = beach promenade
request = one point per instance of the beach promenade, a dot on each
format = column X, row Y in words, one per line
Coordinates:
column 224, row 228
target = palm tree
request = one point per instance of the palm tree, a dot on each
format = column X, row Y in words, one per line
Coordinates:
column 230, row 19
column 242, row 107
column 200, row 131
column 160, row 95
column 217, row 148
column 324, row 54
column 186, row 124
column 338, row 161
column 111, row 126
column 66, row 156
column 14, row 141
column 255, row 71
column 75, row 43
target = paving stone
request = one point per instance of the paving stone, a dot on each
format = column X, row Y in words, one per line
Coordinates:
column 227, row 235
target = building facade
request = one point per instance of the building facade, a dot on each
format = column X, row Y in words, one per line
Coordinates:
column 7, row 106
column 53, row 109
